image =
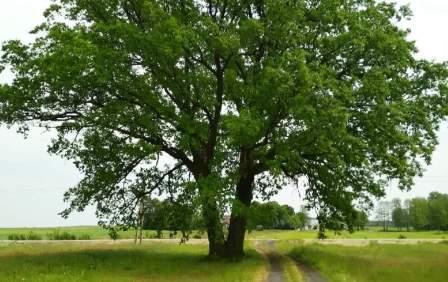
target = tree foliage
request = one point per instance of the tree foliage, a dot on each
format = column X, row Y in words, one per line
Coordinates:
column 361, row 219
column 272, row 215
column 423, row 213
column 172, row 216
column 223, row 99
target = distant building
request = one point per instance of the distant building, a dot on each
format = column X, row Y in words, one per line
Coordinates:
column 225, row 220
column 312, row 224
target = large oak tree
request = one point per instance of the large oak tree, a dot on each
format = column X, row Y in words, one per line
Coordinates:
column 225, row 99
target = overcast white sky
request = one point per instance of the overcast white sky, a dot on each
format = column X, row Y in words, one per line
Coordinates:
column 32, row 182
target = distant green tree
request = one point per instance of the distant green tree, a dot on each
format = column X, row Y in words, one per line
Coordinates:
column 399, row 218
column 272, row 215
column 171, row 215
column 384, row 213
column 360, row 220
column 243, row 96
column 398, row 214
column 155, row 217
column 407, row 216
column 419, row 213
column 303, row 218
column 438, row 211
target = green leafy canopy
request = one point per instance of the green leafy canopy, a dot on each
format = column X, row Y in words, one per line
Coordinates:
column 205, row 96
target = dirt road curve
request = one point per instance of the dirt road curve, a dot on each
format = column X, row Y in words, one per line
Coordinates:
column 276, row 270
column 276, row 260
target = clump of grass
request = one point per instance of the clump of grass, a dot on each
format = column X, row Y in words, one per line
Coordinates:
column 445, row 242
column 16, row 237
column 84, row 237
column 113, row 234
column 23, row 237
column 198, row 235
column 58, row 236
column 401, row 236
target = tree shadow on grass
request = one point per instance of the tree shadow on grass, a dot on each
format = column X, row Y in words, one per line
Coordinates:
column 85, row 263
column 147, row 263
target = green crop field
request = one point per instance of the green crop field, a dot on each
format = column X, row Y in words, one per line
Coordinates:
column 421, row 262
column 158, row 261
column 123, row 262
column 79, row 232
column 94, row 232
column 371, row 233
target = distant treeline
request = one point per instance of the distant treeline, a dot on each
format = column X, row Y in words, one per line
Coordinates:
column 162, row 215
column 429, row 213
column 272, row 215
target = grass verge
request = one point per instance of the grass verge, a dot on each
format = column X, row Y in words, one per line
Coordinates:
column 123, row 262
column 411, row 263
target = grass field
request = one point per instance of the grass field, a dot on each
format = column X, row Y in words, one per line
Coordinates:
column 91, row 232
column 123, row 262
column 372, row 233
column 422, row 262
column 159, row 261
column 94, row 232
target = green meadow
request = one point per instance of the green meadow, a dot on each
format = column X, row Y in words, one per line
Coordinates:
column 411, row 263
column 79, row 232
column 370, row 233
column 109, row 260
column 96, row 233
column 123, row 262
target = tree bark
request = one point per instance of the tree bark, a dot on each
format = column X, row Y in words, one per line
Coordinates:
column 215, row 232
column 233, row 246
column 238, row 220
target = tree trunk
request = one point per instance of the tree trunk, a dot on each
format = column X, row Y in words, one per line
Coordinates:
column 210, row 214
column 233, row 247
column 215, row 233
column 238, row 219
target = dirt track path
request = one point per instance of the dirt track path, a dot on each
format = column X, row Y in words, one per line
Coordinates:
column 310, row 274
column 276, row 271
column 276, row 261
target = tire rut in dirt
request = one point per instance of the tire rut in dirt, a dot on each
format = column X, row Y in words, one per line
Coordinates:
column 310, row 274
column 276, row 271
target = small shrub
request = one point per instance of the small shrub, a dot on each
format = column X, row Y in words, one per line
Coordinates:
column 259, row 228
column 113, row 234
column 84, row 237
column 22, row 237
column 401, row 236
column 373, row 243
column 152, row 236
column 64, row 236
column 159, row 234
column 197, row 236
column 16, row 237
column 321, row 236
column 33, row 236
